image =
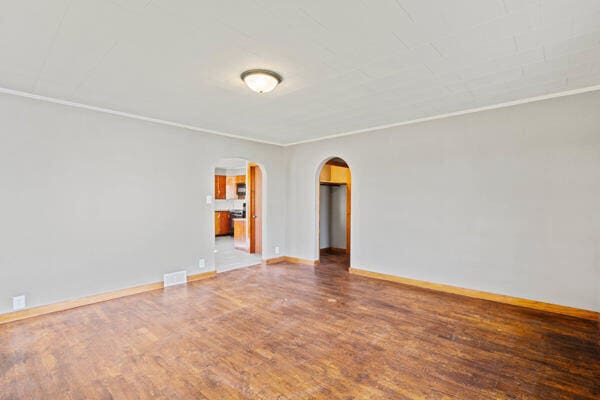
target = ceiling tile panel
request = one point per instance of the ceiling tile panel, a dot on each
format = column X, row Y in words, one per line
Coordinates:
column 347, row 64
column 79, row 46
column 28, row 30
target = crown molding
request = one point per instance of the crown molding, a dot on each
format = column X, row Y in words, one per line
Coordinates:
column 333, row 136
column 130, row 115
column 452, row 114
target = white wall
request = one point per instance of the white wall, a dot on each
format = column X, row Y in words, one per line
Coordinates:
column 324, row 216
column 332, row 217
column 338, row 217
column 230, row 172
column 91, row 202
column 227, row 205
column 505, row 201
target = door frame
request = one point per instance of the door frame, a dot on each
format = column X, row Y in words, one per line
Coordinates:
column 252, row 235
column 348, row 206
column 264, row 206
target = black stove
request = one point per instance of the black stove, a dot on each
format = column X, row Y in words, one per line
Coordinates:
column 235, row 214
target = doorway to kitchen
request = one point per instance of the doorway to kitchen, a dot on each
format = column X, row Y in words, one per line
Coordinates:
column 238, row 214
column 334, row 215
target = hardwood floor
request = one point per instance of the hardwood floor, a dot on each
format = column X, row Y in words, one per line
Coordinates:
column 297, row 332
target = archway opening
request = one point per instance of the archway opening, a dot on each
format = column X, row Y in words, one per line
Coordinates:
column 238, row 213
column 334, row 212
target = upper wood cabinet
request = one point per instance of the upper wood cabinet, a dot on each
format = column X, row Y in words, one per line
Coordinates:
column 334, row 174
column 340, row 174
column 231, row 186
column 220, row 187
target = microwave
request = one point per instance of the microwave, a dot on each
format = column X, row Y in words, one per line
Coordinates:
column 241, row 189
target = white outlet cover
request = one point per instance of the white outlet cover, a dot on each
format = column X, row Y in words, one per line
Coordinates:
column 19, row 302
column 209, row 199
column 201, row 263
column 276, row 249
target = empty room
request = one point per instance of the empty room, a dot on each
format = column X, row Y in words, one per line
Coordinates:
column 300, row 199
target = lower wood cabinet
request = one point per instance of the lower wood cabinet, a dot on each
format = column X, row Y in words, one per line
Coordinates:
column 222, row 223
column 239, row 234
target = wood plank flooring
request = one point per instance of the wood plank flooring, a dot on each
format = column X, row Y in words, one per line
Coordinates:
column 298, row 332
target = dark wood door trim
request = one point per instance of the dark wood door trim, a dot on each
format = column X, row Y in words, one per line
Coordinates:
column 255, row 223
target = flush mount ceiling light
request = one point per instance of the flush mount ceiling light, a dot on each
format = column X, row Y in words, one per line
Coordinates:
column 261, row 80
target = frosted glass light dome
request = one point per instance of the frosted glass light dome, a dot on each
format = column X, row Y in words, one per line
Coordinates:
column 261, row 80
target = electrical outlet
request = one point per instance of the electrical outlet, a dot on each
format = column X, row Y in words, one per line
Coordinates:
column 19, row 302
column 276, row 249
column 202, row 263
column 209, row 199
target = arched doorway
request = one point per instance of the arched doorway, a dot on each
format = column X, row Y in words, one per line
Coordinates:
column 334, row 211
column 239, row 199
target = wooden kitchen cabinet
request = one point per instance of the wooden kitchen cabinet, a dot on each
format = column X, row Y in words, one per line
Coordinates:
column 220, row 187
column 239, row 234
column 334, row 174
column 231, row 186
column 222, row 223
